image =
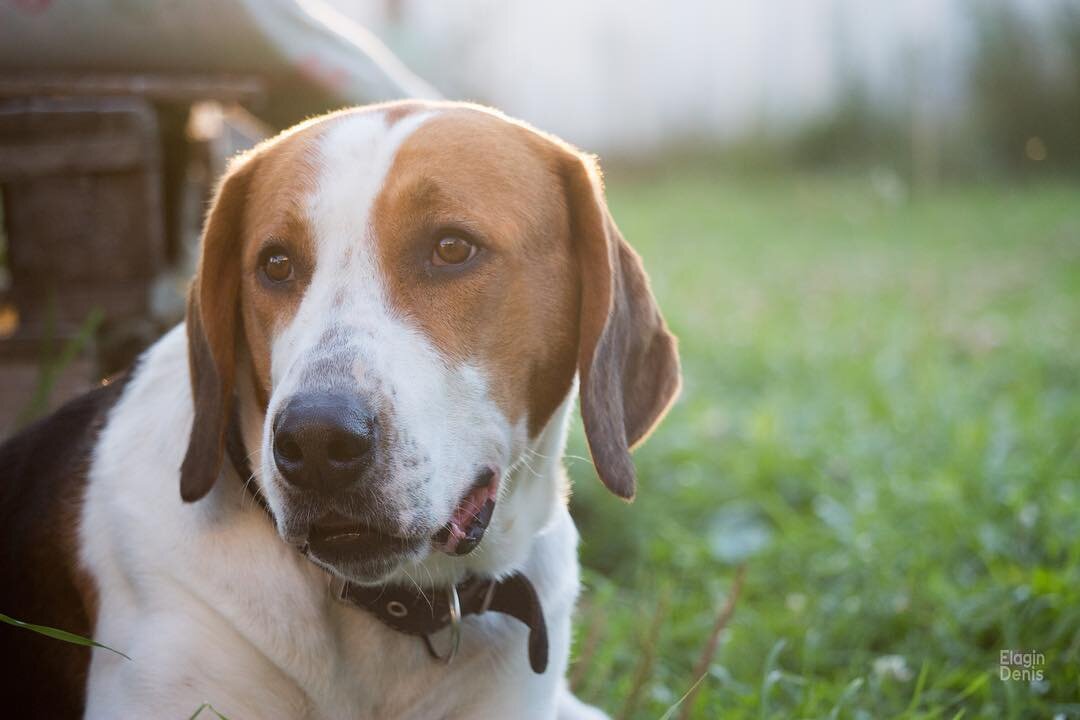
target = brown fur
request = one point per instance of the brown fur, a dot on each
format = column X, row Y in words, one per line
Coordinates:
column 555, row 290
column 514, row 310
column 231, row 313
column 275, row 214
column 628, row 362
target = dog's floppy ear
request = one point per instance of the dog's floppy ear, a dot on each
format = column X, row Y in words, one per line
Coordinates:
column 213, row 326
column 627, row 359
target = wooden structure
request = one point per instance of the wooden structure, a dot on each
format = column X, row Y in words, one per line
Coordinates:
column 95, row 176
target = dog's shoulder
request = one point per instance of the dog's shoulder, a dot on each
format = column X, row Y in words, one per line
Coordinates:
column 43, row 472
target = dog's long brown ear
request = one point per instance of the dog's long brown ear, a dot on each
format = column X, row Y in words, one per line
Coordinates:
column 213, row 324
column 627, row 359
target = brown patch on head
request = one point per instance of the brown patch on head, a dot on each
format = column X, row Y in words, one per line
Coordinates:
column 514, row 310
column 232, row 313
column 554, row 290
column 276, row 215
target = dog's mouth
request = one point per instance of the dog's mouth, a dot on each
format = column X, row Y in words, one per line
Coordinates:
column 337, row 539
column 466, row 526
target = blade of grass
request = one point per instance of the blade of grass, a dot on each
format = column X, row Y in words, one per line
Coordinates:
column 59, row 634
column 849, row 692
column 670, row 712
column 920, row 683
column 207, row 706
column 52, row 366
column 709, row 651
column 770, row 677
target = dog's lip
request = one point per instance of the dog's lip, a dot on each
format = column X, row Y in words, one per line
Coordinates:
column 466, row 526
column 336, row 531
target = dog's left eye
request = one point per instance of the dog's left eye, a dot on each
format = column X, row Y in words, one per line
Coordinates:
column 276, row 265
column 453, row 250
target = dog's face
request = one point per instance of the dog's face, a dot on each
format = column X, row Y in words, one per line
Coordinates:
column 413, row 289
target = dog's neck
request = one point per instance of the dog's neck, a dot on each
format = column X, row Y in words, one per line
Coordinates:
column 535, row 487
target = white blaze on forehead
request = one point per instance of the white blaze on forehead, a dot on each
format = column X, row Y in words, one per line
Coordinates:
column 354, row 156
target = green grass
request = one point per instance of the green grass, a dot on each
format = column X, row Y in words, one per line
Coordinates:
column 881, row 417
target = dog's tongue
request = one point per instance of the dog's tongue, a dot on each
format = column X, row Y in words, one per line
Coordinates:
column 466, row 526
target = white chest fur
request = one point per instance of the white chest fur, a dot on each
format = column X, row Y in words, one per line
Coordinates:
column 214, row 608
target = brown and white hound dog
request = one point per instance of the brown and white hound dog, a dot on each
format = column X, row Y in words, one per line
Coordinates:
column 336, row 491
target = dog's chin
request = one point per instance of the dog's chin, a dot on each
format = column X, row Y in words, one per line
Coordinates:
column 361, row 561
column 362, row 569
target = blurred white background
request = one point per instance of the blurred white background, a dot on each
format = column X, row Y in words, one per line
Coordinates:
column 627, row 76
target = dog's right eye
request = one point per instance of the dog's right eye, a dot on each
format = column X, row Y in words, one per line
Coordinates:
column 276, row 265
column 453, row 250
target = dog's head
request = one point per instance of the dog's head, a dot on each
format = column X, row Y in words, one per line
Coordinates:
column 412, row 290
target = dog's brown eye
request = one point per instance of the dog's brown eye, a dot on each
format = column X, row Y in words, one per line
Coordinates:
column 453, row 250
column 277, row 266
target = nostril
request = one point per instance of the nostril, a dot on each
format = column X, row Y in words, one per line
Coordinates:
column 288, row 449
column 347, row 448
column 324, row 441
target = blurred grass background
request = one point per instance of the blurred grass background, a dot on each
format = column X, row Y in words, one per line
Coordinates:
column 880, row 418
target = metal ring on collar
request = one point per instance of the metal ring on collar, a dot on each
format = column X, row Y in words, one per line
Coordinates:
column 455, row 628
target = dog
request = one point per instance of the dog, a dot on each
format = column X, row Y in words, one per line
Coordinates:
column 336, row 491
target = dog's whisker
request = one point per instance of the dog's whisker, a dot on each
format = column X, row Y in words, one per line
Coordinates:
column 420, row 590
column 527, row 466
column 430, row 577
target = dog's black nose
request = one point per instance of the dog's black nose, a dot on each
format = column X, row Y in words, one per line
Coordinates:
column 324, row 441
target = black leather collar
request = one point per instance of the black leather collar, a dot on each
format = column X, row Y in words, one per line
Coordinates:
column 408, row 611
column 422, row 614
